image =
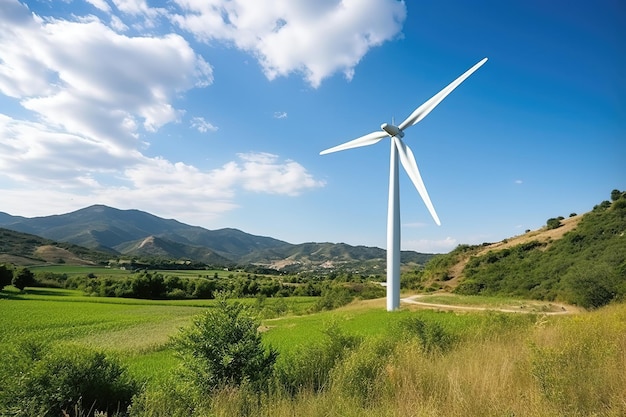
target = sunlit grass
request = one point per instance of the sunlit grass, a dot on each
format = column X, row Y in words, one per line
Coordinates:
column 498, row 364
column 496, row 302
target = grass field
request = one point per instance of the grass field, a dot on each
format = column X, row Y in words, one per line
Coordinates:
column 101, row 271
column 137, row 331
column 491, row 364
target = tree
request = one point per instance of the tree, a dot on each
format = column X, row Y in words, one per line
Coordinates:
column 616, row 195
column 6, row 276
column 24, row 278
column 223, row 347
column 554, row 223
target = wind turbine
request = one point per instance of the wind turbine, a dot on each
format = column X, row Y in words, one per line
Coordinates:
column 399, row 149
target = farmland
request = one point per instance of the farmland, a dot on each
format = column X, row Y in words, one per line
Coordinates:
column 565, row 365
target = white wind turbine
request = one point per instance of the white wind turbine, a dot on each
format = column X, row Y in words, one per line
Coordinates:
column 399, row 148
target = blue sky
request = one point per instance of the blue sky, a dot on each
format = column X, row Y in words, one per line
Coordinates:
column 214, row 113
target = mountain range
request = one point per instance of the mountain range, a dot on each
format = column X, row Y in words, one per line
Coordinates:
column 134, row 233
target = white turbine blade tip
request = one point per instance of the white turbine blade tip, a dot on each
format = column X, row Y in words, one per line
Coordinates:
column 365, row 140
column 423, row 110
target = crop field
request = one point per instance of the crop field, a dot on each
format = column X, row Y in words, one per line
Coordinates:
column 137, row 331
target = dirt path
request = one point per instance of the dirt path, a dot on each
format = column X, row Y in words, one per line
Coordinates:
column 414, row 301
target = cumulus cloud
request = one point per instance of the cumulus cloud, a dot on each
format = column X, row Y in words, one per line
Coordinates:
column 315, row 39
column 83, row 77
column 168, row 189
column 91, row 93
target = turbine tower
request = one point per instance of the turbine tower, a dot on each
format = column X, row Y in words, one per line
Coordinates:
column 399, row 150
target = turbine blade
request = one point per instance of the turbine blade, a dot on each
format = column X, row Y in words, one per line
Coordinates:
column 423, row 110
column 410, row 166
column 369, row 139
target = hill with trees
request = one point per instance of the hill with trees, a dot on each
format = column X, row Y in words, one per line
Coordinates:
column 585, row 265
column 26, row 249
column 141, row 235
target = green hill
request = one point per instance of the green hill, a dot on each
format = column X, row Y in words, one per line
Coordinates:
column 585, row 266
column 26, row 249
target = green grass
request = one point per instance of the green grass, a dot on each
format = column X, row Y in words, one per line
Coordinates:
column 101, row 271
column 71, row 270
column 489, row 302
column 137, row 331
column 573, row 363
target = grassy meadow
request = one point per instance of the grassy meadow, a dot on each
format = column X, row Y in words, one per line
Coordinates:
column 358, row 360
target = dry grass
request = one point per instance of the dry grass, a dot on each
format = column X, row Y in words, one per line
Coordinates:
column 54, row 254
column 543, row 235
column 560, row 366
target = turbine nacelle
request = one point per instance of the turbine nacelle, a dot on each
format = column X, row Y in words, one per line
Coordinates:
column 392, row 130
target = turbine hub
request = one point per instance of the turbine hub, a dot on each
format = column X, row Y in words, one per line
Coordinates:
column 392, row 130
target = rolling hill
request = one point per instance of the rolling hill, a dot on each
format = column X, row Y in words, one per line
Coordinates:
column 26, row 249
column 139, row 234
column 581, row 260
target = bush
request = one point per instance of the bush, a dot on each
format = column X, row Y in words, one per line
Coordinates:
column 309, row 369
column 553, row 223
column 223, row 347
column 431, row 335
column 72, row 381
column 358, row 375
column 6, row 276
column 23, row 278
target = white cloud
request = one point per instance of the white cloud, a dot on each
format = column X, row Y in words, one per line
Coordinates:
column 519, row 182
column 117, row 24
column 95, row 96
column 202, row 125
column 430, row 246
column 280, row 115
column 100, row 5
column 84, row 78
column 156, row 185
column 262, row 172
column 315, row 39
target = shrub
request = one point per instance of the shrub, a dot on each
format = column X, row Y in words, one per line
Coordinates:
column 591, row 285
column 431, row 335
column 357, row 375
column 223, row 347
column 309, row 369
column 23, row 278
column 553, row 223
column 6, row 276
column 333, row 297
column 67, row 380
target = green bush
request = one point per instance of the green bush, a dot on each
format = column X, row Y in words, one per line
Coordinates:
column 72, row 381
column 223, row 348
column 553, row 223
column 359, row 373
column 309, row 369
column 6, row 276
column 432, row 336
column 23, row 278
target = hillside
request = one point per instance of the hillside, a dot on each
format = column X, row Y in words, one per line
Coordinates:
column 154, row 247
column 583, row 261
column 102, row 227
column 26, row 249
column 134, row 233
